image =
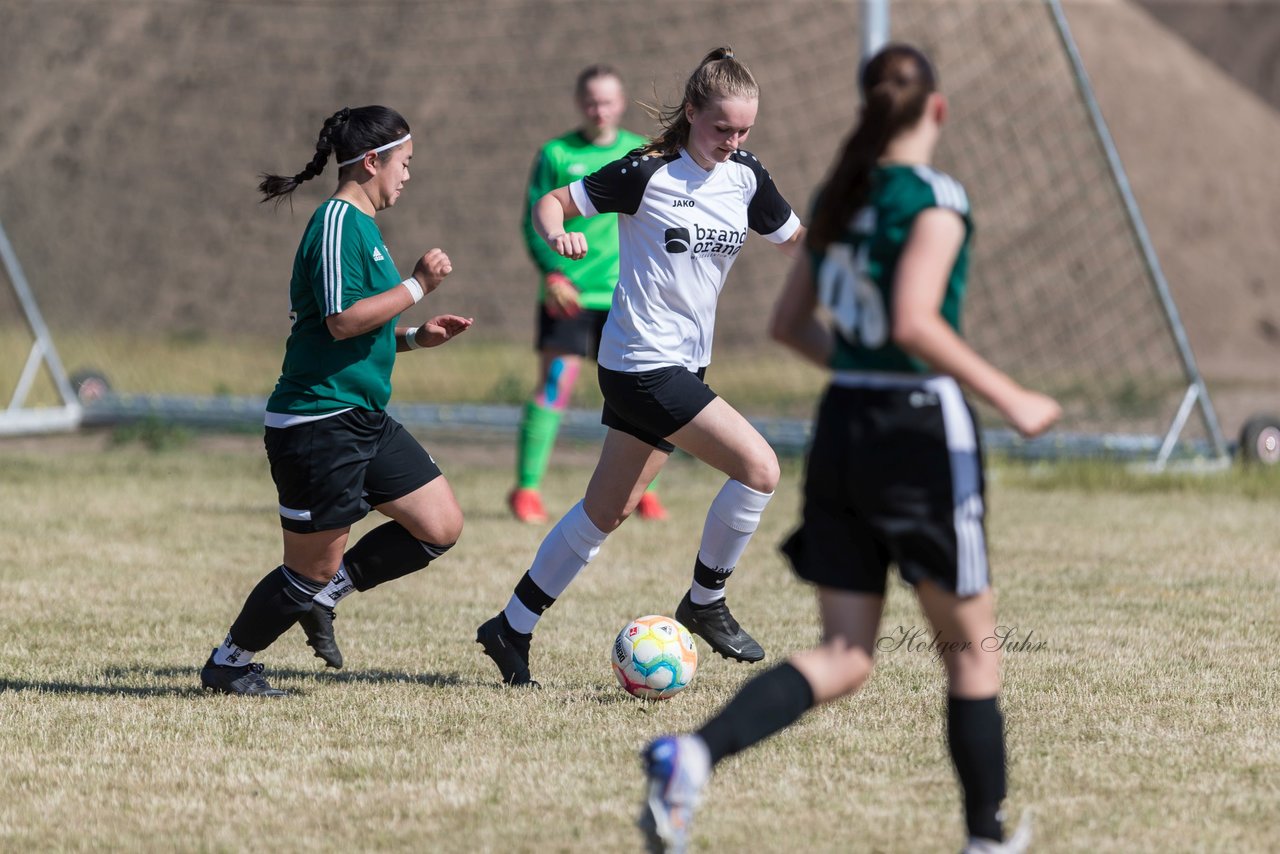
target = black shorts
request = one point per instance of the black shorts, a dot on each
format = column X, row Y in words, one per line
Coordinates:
column 578, row 335
column 894, row 475
column 330, row 473
column 651, row 405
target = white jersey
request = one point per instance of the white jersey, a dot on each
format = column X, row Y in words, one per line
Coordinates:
column 680, row 230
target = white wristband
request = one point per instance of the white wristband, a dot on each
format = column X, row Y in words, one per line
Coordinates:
column 411, row 338
column 415, row 289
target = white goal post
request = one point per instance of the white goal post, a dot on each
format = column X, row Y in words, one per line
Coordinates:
column 18, row 418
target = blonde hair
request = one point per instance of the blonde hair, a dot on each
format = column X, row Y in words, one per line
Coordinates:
column 720, row 75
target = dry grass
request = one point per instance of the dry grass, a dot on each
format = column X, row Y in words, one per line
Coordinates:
column 1147, row 723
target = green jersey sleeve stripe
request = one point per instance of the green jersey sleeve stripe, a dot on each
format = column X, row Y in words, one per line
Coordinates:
column 327, row 308
column 947, row 191
column 332, row 256
column 326, row 265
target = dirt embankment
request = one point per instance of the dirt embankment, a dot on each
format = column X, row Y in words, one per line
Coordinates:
column 134, row 130
column 1199, row 145
column 1242, row 37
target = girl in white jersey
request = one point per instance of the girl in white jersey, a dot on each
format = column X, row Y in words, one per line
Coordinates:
column 685, row 202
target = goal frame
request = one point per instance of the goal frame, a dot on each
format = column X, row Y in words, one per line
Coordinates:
column 17, row 418
column 876, row 31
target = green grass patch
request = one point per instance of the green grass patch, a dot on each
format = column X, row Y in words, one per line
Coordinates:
column 154, row 434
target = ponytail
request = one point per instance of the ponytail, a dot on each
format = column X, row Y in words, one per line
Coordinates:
column 719, row 75
column 278, row 187
column 346, row 133
column 895, row 85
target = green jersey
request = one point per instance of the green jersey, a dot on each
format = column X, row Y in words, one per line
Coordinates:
column 342, row 259
column 560, row 162
column 854, row 275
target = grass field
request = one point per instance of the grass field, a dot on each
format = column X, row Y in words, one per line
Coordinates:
column 1146, row 720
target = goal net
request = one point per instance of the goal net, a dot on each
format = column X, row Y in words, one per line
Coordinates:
column 189, row 289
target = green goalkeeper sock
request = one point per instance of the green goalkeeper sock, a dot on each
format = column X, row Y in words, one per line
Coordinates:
column 538, row 429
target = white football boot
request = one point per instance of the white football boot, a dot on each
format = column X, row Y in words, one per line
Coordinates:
column 678, row 767
column 1019, row 843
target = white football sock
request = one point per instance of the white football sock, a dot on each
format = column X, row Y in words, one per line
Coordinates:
column 732, row 519
column 230, row 655
column 338, row 588
column 566, row 551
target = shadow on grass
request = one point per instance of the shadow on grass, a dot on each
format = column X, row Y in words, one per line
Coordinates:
column 116, row 681
column 106, row 690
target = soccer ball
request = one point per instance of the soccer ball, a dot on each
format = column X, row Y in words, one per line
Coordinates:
column 654, row 657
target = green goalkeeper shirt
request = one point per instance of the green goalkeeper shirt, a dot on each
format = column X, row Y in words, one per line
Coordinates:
column 342, row 259
column 561, row 162
column 854, row 275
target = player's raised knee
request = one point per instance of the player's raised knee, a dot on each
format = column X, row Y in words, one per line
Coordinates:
column 762, row 472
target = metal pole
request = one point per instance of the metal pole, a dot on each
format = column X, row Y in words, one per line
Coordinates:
column 1140, row 231
column 28, row 377
column 1175, row 429
column 875, row 27
column 36, row 323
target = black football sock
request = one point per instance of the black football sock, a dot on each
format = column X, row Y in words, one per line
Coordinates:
column 770, row 702
column 520, row 640
column 708, row 584
column 975, row 730
column 527, row 605
column 386, row 553
column 280, row 598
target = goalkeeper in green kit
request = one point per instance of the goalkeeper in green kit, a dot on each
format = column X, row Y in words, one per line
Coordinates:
column 575, row 296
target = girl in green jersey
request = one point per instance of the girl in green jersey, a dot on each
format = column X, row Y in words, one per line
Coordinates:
column 575, row 295
column 334, row 452
column 894, row 473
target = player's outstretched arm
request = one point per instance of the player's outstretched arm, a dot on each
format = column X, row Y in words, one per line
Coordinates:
column 794, row 322
column 919, row 329
column 549, row 214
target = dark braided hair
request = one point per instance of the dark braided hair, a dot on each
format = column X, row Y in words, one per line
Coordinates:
column 345, row 134
column 719, row 75
column 896, row 84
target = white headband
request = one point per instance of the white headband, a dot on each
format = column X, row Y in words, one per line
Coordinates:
column 378, row 150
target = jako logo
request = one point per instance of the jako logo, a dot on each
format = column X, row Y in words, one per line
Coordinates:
column 677, row 240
